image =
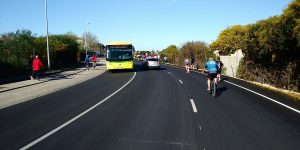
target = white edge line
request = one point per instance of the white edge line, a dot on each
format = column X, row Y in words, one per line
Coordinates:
column 180, row 81
column 75, row 118
column 284, row 105
column 193, row 105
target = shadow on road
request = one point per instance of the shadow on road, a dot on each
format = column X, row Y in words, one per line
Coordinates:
column 220, row 90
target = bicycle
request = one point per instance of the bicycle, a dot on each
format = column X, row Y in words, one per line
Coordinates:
column 94, row 64
column 213, row 87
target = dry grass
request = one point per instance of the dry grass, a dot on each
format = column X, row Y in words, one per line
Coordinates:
column 291, row 94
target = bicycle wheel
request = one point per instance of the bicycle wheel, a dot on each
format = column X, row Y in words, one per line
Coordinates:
column 213, row 88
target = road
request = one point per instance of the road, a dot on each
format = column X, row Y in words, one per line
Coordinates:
column 164, row 109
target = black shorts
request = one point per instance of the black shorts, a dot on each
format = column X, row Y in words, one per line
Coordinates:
column 211, row 75
column 219, row 71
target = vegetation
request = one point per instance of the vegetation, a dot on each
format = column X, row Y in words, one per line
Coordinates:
column 18, row 49
column 271, row 48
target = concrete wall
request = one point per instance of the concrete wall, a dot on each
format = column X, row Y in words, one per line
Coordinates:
column 231, row 63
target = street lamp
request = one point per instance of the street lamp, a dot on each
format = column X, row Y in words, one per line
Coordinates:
column 46, row 16
column 85, row 39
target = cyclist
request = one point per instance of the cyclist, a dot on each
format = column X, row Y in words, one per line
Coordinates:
column 212, row 69
column 220, row 66
column 94, row 59
column 87, row 62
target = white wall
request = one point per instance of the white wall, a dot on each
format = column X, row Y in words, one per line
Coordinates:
column 231, row 63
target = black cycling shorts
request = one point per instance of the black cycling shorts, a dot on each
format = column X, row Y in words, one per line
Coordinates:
column 211, row 75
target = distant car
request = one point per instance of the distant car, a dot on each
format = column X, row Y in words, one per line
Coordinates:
column 153, row 63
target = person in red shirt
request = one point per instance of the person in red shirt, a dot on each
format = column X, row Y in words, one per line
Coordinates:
column 37, row 65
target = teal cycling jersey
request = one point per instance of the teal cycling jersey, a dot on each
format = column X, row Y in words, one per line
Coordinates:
column 212, row 67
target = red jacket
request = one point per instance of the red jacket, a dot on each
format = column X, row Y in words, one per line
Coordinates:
column 37, row 64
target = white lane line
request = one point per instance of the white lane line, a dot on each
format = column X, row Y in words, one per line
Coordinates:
column 200, row 127
column 180, row 81
column 75, row 118
column 170, row 73
column 284, row 105
column 193, row 105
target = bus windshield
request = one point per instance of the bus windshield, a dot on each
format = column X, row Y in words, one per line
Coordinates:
column 119, row 54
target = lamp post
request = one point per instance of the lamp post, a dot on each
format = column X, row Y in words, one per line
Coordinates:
column 85, row 38
column 46, row 16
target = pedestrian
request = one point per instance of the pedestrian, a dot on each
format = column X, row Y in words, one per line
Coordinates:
column 37, row 65
column 186, row 62
column 193, row 63
column 165, row 59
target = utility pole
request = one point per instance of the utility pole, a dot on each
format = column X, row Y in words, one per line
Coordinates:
column 48, row 53
column 85, row 38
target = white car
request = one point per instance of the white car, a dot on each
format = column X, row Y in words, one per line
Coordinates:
column 153, row 63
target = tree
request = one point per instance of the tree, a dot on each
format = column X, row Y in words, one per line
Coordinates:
column 15, row 51
column 195, row 49
column 230, row 40
column 92, row 41
column 171, row 52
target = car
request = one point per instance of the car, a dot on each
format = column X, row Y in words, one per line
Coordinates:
column 153, row 62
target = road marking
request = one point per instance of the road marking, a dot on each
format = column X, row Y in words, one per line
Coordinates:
column 200, row 127
column 75, row 118
column 284, row 105
column 193, row 105
column 180, row 81
column 170, row 73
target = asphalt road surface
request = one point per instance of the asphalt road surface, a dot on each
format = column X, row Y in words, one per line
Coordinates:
column 166, row 109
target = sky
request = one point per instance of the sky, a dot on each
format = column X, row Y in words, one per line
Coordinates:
column 148, row 24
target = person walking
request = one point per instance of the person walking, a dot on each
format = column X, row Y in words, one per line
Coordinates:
column 186, row 62
column 37, row 65
column 165, row 59
column 193, row 63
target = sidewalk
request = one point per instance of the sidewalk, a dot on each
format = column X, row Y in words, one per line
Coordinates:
column 17, row 92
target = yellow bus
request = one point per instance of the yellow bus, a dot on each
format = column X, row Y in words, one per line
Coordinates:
column 119, row 55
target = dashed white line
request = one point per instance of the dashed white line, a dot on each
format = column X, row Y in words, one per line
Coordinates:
column 75, row 118
column 193, row 105
column 200, row 127
column 180, row 81
column 284, row 105
column 170, row 73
